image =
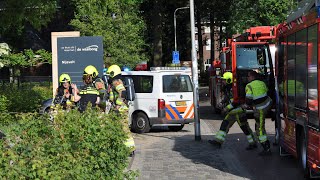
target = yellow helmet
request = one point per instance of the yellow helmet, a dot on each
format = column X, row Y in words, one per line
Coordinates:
column 228, row 77
column 91, row 70
column 113, row 71
column 64, row 78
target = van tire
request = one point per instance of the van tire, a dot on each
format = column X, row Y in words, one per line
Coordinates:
column 176, row 128
column 140, row 123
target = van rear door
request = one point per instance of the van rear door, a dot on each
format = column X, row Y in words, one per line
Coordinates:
column 178, row 96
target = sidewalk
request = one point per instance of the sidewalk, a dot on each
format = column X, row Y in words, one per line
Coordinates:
column 162, row 154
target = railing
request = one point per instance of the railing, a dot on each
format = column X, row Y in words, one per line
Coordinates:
column 27, row 81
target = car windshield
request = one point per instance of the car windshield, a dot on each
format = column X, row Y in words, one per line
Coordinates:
column 176, row 83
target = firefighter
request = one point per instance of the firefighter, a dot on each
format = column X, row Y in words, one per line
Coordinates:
column 97, row 82
column 117, row 92
column 87, row 94
column 64, row 92
column 257, row 97
column 234, row 113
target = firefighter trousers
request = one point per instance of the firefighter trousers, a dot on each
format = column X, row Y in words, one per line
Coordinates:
column 260, row 116
column 239, row 116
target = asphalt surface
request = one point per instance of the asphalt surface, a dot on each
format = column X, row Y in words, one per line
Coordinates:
column 164, row 154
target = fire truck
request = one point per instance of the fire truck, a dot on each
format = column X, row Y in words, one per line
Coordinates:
column 252, row 50
column 297, row 86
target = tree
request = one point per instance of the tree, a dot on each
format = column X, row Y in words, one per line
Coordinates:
column 119, row 23
column 15, row 16
column 248, row 13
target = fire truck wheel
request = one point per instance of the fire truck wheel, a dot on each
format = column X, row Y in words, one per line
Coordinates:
column 140, row 123
column 176, row 128
column 302, row 150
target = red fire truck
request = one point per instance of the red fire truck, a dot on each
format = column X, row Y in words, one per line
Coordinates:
column 245, row 52
column 297, row 86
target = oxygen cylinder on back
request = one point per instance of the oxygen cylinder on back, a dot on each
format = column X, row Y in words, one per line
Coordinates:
column 130, row 92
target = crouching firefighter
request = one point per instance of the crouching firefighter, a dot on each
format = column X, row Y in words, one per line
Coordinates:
column 117, row 96
column 234, row 113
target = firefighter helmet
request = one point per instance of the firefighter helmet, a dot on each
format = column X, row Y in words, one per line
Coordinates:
column 91, row 70
column 64, row 78
column 113, row 70
column 228, row 77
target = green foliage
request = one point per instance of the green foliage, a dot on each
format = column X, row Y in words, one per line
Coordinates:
column 119, row 23
column 16, row 14
column 26, row 58
column 4, row 103
column 249, row 13
column 76, row 146
column 27, row 99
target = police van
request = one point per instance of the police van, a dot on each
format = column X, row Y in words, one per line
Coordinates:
column 164, row 97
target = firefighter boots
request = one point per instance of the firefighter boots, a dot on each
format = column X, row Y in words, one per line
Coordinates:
column 215, row 143
column 266, row 149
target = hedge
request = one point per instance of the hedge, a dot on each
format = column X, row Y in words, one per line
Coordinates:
column 27, row 99
column 75, row 146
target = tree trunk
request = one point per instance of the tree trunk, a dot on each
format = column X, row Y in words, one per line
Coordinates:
column 157, row 34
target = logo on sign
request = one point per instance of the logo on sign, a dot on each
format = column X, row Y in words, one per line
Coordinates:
column 79, row 49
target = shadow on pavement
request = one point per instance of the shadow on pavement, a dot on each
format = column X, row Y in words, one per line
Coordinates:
column 234, row 161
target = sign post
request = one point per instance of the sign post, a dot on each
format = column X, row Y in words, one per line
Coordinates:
column 175, row 57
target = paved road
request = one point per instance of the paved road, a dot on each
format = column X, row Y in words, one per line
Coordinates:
column 162, row 154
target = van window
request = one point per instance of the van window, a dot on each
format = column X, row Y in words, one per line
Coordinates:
column 176, row 83
column 142, row 83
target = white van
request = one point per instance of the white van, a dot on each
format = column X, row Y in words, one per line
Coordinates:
column 164, row 97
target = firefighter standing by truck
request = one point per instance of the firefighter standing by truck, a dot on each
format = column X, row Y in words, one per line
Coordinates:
column 234, row 113
column 257, row 97
column 117, row 92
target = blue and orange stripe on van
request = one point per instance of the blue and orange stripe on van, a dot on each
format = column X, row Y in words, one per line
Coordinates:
column 174, row 113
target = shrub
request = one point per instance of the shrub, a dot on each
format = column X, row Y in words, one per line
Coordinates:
column 4, row 103
column 27, row 99
column 76, row 146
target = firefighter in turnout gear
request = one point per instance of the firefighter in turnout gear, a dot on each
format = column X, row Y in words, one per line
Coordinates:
column 98, row 83
column 234, row 113
column 117, row 92
column 256, row 96
column 87, row 94
column 64, row 92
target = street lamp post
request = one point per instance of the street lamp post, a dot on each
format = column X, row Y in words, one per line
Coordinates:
column 197, row 132
column 175, row 26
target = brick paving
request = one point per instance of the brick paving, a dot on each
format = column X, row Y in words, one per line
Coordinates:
column 162, row 154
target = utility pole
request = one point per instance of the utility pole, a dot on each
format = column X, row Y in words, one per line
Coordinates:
column 175, row 26
column 195, row 75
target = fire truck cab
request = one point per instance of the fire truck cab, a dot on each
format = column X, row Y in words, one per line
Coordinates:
column 245, row 52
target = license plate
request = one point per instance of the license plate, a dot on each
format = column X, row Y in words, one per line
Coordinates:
column 181, row 103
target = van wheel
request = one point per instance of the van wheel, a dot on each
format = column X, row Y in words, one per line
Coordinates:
column 140, row 123
column 302, row 149
column 176, row 128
